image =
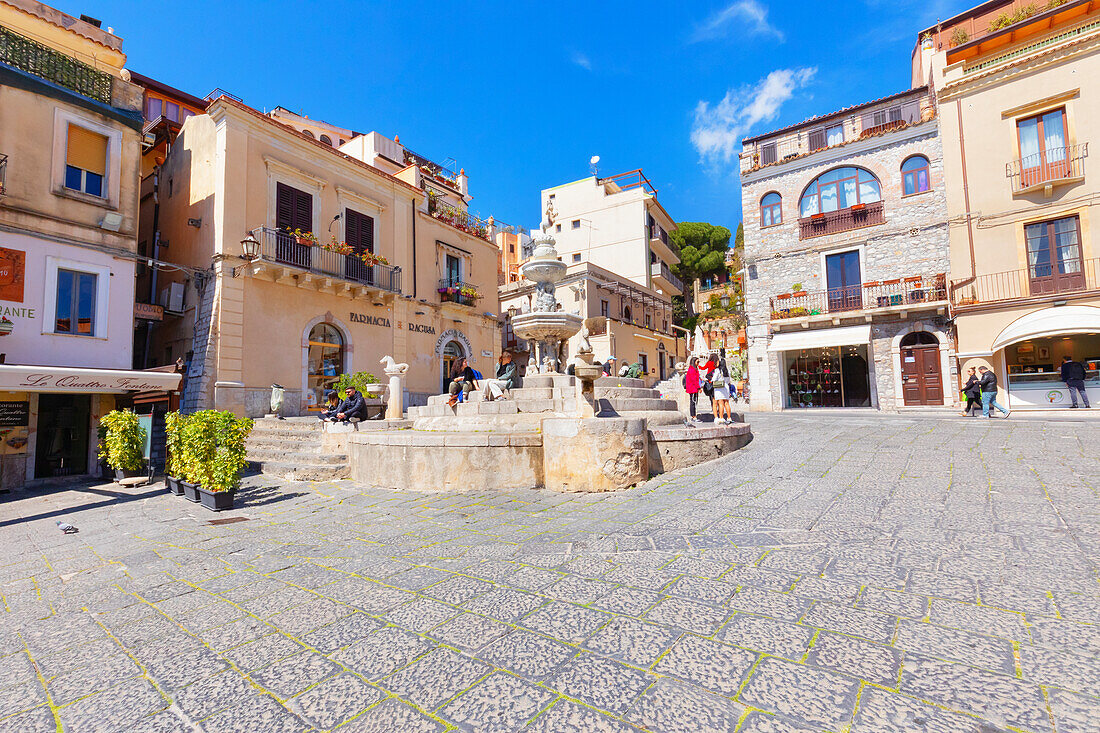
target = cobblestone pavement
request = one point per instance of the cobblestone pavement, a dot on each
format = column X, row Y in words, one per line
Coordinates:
column 840, row 573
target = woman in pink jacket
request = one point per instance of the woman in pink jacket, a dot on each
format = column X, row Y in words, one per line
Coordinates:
column 692, row 384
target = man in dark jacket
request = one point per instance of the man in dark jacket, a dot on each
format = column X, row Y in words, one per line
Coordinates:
column 1073, row 374
column 988, row 385
column 353, row 407
column 972, row 393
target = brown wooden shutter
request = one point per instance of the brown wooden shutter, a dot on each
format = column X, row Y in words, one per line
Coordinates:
column 360, row 231
column 367, row 229
column 351, row 229
column 284, row 207
column 303, row 211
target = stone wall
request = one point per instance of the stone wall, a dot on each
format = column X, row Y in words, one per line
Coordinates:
column 912, row 241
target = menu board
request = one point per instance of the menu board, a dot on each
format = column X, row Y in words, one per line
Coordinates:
column 14, row 414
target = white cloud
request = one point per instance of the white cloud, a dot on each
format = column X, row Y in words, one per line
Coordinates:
column 743, row 16
column 718, row 129
column 581, row 60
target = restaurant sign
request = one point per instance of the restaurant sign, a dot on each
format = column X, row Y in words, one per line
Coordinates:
column 60, row 379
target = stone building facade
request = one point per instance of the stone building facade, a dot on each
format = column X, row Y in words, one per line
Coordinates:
column 846, row 253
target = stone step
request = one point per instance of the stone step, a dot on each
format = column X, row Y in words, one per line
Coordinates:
column 626, row 392
column 291, row 471
column 299, row 456
column 286, row 444
column 496, row 407
column 543, row 405
column 562, row 381
column 619, row 382
column 637, row 404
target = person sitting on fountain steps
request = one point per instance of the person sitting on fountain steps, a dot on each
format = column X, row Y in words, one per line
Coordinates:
column 354, row 407
column 505, row 379
column 462, row 379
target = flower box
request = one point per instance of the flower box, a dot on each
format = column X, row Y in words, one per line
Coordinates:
column 782, row 296
column 817, row 217
column 858, row 207
column 215, row 501
column 799, row 294
column 173, row 485
column 190, row 491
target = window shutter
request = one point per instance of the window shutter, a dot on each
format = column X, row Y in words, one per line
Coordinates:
column 284, row 207
column 817, row 140
column 351, row 229
column 367, row 226
column 87, row 150
column 767, row 153
column 303, row 211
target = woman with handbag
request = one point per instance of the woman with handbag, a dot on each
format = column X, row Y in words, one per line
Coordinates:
column 692, row 385
column 720, row 382
column 972, row 394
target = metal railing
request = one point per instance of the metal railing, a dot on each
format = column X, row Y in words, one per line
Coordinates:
column 32, row 57
column 1032, row 47
column 1050, row 166
column 456, row 291
column 1074, row 276
column 3, row 173
column 843, row 220
column 285, row 249
column 661, row 270
column 629, row 180
column 918, row 290
column 420, row 161
column 459, row 219
column 838, row 131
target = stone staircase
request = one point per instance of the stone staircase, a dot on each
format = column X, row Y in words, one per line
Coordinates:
column 295, row 449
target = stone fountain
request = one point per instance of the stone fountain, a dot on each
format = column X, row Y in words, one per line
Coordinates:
column 546, row 325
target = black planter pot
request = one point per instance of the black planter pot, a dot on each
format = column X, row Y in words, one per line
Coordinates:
column 120, row 474
column 216, row 501
column 190, row 491
column 174, row 485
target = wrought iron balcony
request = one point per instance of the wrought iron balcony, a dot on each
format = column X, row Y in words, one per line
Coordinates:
column 3, row 173
column 910, row 292
column 1038, row 281
column 459, row 219
column 456, row 291
column 281, row 248
column 42, row 61
column 1052, row 166
column 835, row 222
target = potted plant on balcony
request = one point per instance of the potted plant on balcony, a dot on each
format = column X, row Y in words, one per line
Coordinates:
column 858, row 207
column 817, row 218
column 173, row 464
column 469, row 293
column 122, row 443
column 797, row 291
column 306, row 239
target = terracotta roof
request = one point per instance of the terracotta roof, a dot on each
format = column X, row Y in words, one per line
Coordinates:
column 168, row 91
column 57, row 18
column 313, row 141
column 838, row 113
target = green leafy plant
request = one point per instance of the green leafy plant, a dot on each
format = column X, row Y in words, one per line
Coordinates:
column 796, row 287
column 122, row 441
column 173, row 428
column 359, row 380
column 303, row 237
column 213, row 449
column 1006, row 19
column 959, row 36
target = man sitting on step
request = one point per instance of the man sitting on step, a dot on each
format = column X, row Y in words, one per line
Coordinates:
column 353, row 408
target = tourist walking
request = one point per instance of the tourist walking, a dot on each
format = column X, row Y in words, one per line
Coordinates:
column 720, row 383
column 972, row 393
column 505, row 377
column 692, row 385
column 988, row 385
column 1073, row 374
column 463, row 380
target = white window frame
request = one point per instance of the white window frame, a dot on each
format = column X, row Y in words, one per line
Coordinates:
column 279, row 172
column 112, row 166
column 863, row 277
column 102, row 296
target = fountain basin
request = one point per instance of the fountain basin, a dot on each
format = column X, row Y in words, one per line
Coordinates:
column 538, row 326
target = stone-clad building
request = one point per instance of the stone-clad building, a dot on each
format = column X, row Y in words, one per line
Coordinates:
column 846, row 253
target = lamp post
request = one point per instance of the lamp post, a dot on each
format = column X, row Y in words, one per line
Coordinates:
column 251, row 247
column 725, row 300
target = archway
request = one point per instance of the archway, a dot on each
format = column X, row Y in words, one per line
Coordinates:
column 325, row 360
column 921, row 377
column 452, row 352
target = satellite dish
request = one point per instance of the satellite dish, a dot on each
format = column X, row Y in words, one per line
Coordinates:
column 592, row 162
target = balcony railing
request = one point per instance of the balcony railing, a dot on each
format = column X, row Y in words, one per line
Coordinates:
column 3, row 173
column 456, row 291
column 835, row 222
column 1050, row 166
column 657, row 232
column 919, row 290
column 446, row 174
column 661, row 270
column 459, row 219
column 53, row 66
column 838, row 131
column 285, row 249
column 1074, row 276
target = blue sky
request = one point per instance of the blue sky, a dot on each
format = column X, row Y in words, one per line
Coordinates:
column 523, row 94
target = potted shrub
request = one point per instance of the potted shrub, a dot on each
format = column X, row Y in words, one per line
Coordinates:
column 307, row 239
column 187, row 460
column 122, row 443
column 173, row 464
column 365, row 382
column 221, row 474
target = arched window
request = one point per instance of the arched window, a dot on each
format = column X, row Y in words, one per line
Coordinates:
column 914, row 175
column 325, row 359
column 326, row 140
column 771, row 209
column 919, row 338
column 840, row 188
column 342, row 142
column 308, row 132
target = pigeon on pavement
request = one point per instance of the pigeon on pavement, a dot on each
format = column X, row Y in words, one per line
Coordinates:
column 66, row 528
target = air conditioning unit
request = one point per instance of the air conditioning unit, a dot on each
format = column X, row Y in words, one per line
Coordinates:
column 171, row 297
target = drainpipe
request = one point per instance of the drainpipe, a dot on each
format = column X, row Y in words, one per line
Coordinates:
column 153, row 268
column 414, row 245
column 966, row 202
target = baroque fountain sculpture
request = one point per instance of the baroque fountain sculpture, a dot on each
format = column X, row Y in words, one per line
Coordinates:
column 546, row 325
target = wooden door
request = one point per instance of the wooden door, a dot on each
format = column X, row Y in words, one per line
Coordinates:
column 922, row 382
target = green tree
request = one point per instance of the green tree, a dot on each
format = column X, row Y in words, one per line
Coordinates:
column 702, row 249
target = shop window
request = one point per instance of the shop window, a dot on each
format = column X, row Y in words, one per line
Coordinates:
column 85, row 160
column 771, row 209
column 325, row 359
column 1054, row 261
column 828, row 377
column 840, row 188
column 914, row 175
column 76, row 303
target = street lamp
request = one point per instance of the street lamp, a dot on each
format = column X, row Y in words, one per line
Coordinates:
column 725, row 299
column 251, row 247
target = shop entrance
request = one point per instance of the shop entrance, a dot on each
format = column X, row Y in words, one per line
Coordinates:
column 921, row 379
column 1034, row 379
column 833, row 376
column 452, row 352
column 325, row 361
column 63, row 426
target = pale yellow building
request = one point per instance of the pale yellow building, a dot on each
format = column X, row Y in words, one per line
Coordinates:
column 360, row 256
column 1018, row 87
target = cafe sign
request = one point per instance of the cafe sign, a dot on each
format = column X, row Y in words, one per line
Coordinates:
column 15, row 378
